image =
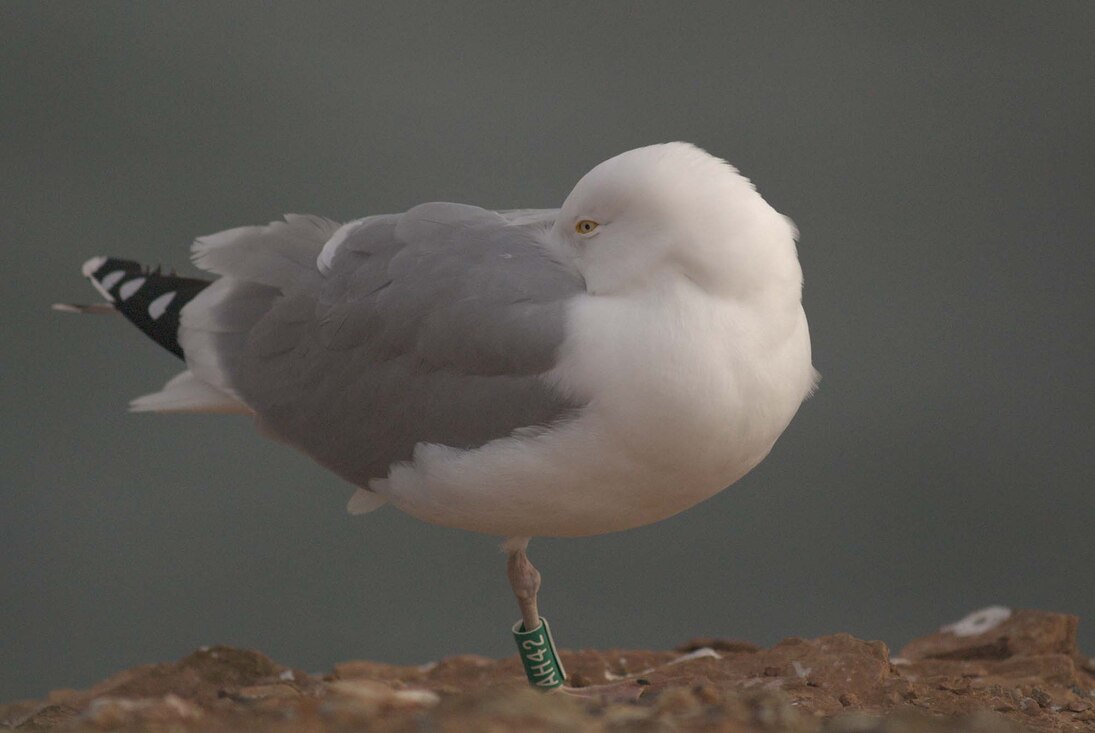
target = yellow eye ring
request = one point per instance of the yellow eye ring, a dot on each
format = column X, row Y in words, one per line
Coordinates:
column 586, row 226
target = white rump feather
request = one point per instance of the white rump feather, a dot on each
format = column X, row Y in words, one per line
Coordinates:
column 187, row 393
column 364, row 501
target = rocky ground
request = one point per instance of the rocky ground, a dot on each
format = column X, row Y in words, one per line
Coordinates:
column 994, row 671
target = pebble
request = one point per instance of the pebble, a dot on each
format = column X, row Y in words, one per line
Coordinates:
column 1030, row 706
column 1042, row 697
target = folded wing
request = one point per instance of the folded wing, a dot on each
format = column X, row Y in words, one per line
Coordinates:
column 433, row 326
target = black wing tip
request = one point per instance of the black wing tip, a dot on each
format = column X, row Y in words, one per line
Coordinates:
column 148, row 298
column 100, row 265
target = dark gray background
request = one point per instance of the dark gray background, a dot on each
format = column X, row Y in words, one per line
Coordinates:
column 937, row 158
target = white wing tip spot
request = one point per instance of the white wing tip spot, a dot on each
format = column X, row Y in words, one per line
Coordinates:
column 111, row 279
column 130, row 287
column 92, row 265
column 108, row 281
column 157, row 307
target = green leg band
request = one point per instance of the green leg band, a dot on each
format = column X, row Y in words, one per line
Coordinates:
column 537, row 651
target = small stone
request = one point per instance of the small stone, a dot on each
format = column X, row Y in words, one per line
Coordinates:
column 676, row 701
column 1030, row 706
column 1079, row 706
column 706, row 693
column 263, row 692
column 369, row 694
column 578, row 680
column 1041, row 696
column 793, row 684
column 849, row 700
column 959, row 686
column 771, row 671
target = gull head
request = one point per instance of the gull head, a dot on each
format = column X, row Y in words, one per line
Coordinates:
column 666, row 214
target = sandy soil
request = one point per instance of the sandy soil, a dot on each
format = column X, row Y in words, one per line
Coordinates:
column 996, row 671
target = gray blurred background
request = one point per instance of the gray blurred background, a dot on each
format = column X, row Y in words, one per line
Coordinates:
column 939, row 160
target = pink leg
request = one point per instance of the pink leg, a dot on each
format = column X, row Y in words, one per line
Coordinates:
column 525, row 581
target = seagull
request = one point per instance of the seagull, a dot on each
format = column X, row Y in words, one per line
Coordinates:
column 521, row 373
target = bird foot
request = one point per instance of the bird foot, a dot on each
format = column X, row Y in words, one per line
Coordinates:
column 625, row 691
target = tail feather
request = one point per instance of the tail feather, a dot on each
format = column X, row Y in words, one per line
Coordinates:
column 98, row 309
column 148, row 298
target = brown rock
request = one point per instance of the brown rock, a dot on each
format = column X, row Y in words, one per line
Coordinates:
column 13, row 713
column 1055, row 669
column 203, row 676
column 1041, row 697
column 677, row 701
column 724, row 646
column 837, row 663
column 578, row 679
column 280, row 690
column 375, row 695
column 706, row 691
column 958, row 686
column 47, row 717
column 114, row 712
column 373, row 670
column 997, row 633
column 1029, row 706
column 824, row 685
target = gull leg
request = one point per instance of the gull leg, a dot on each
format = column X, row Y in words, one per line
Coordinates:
column 525, row 581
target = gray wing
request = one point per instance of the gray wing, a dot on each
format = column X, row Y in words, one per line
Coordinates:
column 432, row 326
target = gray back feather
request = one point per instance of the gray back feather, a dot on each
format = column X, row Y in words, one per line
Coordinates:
column 433, row 326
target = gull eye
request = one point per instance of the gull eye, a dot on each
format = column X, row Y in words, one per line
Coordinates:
column 586, row 226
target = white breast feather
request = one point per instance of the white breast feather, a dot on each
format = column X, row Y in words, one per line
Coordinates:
column 685, row 400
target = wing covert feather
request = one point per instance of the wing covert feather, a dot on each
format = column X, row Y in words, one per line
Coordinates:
column 432, row 326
